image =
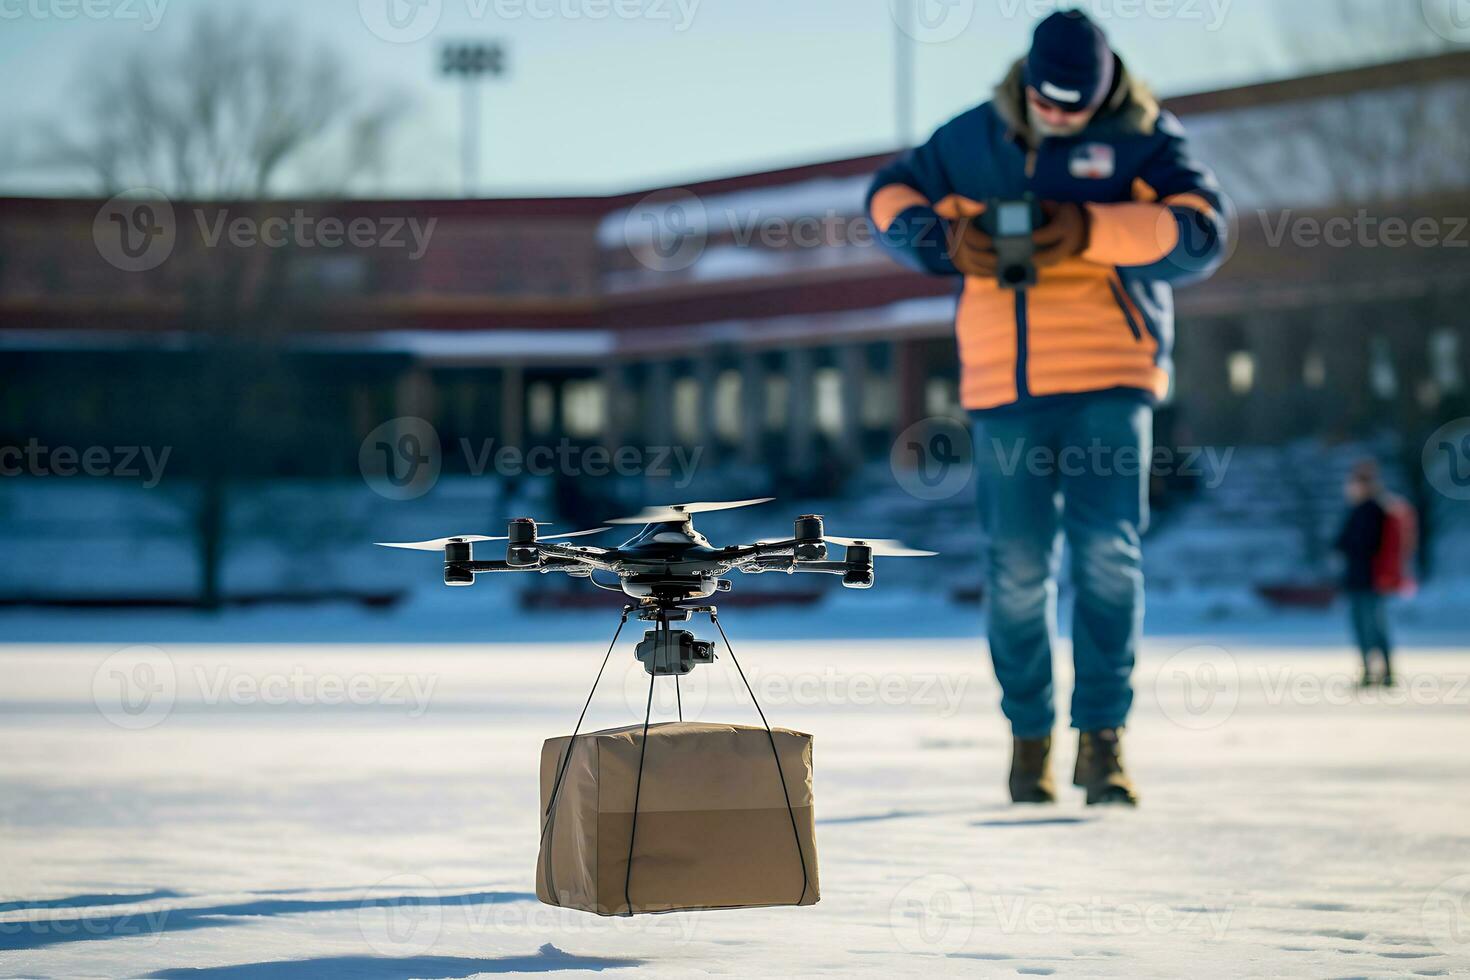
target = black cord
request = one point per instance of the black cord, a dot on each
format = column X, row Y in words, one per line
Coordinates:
column 796, row 834
column 637, row 790
column 546, row 819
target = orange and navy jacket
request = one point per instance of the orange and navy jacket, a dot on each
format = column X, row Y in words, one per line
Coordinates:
column 1102, row 321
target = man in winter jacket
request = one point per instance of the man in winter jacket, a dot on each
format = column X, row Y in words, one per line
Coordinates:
column 1061, row 378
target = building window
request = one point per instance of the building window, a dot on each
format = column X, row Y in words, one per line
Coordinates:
column 686, row 411
column 1444, row 361
column 827, row 390
column 941, row 397
column 778, row 397
column 1382, row 379
column 1241, row 366
column 541, row 408
column 1314, row 369
column 879, row 402
column 584, row 408
column 728, row 389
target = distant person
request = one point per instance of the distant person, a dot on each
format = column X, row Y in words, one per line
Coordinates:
column 1072, row 366
column 1377, row 543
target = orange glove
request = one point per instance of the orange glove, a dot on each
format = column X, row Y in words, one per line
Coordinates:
column 971, row 250
column 1065, row 235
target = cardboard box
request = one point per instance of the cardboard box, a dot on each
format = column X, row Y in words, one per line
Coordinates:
column 713, row 829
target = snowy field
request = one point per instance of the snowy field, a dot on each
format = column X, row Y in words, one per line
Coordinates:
column 318, row 811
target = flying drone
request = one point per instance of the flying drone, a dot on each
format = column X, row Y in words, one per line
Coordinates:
column 668, row 567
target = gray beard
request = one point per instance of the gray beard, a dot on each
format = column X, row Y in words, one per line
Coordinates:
column 1042, row 130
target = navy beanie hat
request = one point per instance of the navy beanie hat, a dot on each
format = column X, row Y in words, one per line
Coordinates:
column 1070, row 63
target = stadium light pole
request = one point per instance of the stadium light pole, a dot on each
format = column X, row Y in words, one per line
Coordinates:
column 903, row 70
column 472, row 61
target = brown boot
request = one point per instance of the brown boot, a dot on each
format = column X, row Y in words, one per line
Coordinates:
column 1100, row 769
column 1031, row 780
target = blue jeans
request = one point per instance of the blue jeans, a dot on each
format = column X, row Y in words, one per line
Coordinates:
column 1077, row 468
column 1369, row 614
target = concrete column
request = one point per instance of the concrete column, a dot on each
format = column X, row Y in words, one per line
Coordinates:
column 1343, row 335
column 615, row 398
column 752, row 408
column 853, row 363
column 706, row 370
column 658, row 382
column 1277, row 343
column 512, row 405
column 799, row 424
column 414, row 394
column 908, row 377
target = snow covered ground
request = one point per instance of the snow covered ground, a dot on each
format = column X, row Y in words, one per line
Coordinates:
column 370, row 811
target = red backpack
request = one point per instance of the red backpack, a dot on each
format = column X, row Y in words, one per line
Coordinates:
column 1394, row 561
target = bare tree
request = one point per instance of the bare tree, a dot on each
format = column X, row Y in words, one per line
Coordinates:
column 223, row 113
column 229, row 111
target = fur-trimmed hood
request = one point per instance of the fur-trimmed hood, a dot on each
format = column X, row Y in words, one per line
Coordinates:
column 1130, row 107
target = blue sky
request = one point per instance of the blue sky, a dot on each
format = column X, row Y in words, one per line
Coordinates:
column 611, row 95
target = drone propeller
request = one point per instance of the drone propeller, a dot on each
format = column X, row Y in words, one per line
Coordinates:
column 882, row 547
column 678, row 512
column 438, row 544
